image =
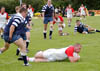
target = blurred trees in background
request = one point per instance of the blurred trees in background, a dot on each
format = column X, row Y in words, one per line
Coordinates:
column 37, row 4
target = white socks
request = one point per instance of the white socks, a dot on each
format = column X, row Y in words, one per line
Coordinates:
column 31, row 59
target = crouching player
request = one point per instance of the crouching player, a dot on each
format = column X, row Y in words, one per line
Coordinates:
column 82, row 28
column 59, row 20
column 70, row 52
column 12, row 32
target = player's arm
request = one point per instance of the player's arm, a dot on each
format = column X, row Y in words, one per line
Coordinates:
column 12, row 29
column 73, row 59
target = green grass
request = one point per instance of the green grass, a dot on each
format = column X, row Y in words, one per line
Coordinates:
column 90, row 53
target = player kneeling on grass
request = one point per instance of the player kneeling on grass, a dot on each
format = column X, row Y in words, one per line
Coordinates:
column 82, row 28
column 59, row 20
column 70, row 52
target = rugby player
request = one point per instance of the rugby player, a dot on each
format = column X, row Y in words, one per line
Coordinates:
column 3, row 20
column 70, row 52
column 70, row 12
column 82, row 28
column 82, row 11
column 13, row 31
column 48, row 14
column 60, row 22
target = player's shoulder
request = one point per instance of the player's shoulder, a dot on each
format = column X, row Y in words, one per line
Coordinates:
column 71, row 47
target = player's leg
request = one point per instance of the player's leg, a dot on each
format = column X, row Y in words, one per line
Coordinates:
column 60, row 29
column 69, row 22
column 51, row 30
column 45, row 28
column 6, row 46
column 28, row 39
column 92, row 29
column 45, row 31
column 21, row 44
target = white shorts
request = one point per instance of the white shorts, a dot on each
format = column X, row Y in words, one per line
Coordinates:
column 2, row 25
column 83, row 13
column 64, row 25
column 69, row 16
column 49, row 54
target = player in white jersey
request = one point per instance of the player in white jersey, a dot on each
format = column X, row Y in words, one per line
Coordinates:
column 60, row 22
column 70, row 52
column 82, row 11
column 3, row 19
column 31, row 10
column 70, row 12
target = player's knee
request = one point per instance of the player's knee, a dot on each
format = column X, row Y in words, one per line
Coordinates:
column 51, row 27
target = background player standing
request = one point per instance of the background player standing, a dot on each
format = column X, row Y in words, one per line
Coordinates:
column 70, row 12
column 48, row 13
column 3, row 19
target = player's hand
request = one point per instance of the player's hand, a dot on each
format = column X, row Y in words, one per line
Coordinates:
column 10, row 38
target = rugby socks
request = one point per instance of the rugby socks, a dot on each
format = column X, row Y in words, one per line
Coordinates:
column 17, row 51
column 97, row 30
column 44, row 33
column 69, row 23
column 31, row 59
column 0, row 52
column 27, row 43
column 24, row 59
column 50, row 34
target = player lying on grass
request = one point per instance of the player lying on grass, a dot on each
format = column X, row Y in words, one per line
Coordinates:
column 70, row 52
column 59, row 20
column 82, row 28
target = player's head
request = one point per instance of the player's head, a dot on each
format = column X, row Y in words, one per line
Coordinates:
column 23, row 5
column 29, row 6
column 2, row 9
column 69, row 6
column 17, row 9
column 49, row 2
column 82, row 5
column 77, row 47
column 56, row 14
column 77, row 22
column 23, row 11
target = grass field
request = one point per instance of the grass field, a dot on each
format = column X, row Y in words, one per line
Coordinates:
column 90, row 53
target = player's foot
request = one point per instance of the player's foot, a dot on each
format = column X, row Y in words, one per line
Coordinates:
column 27, row 50
column 20, row 58
column 44, row 38
column 26, row 64
column 69, row 25
column 50, row 37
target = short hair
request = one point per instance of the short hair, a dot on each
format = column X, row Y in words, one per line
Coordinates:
column 77, row 44
column 77, row 21
column 2, row 7
column 17, row 7
column 56, row 12
column 23, row 10
column 23, row 4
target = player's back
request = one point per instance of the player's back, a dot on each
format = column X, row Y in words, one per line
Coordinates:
column 60, row 54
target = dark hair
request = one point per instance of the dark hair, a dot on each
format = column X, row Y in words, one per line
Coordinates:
column 77, row 21
column 23, row 10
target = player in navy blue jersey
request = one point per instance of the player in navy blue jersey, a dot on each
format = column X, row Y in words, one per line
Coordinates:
column 13, row 31
column 84, row 29
column 48, row 14
column 28, row 18
column 27, row 30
